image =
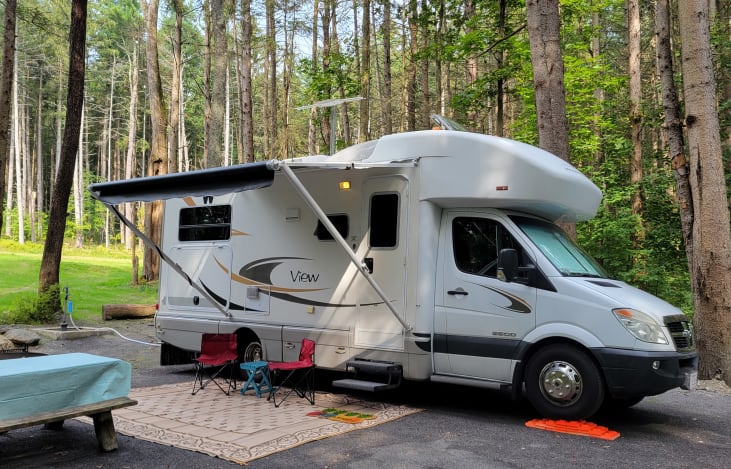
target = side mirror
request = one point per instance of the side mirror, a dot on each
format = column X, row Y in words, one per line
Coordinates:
column 507, row 265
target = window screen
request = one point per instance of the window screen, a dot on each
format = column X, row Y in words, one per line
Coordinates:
column 384, row 220
column 209, row 223
column 341, row 224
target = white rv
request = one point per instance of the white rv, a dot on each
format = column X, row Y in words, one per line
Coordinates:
column 428, row 255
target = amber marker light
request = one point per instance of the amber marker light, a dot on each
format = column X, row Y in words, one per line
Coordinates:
column 344, row 185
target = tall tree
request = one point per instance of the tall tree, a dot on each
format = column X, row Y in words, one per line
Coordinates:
column 544, row 25
column 51, row 260
column 218, row 82
column 365, row 71
column 548, row 76
column 270, row 68
column 674, row 125
column 387, row 92
column 158, row 162
column 635, row 99
column 130, row 162
column 245, row 78
column 175, row 87
column 6, row 87
column 711, row 235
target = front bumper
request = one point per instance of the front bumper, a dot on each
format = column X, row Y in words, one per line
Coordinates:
column 631, row 373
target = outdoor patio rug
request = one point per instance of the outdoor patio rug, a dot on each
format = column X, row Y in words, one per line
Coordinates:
column 239, row 428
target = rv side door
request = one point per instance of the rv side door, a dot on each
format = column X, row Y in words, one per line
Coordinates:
column 479, row 320
column 383, row 248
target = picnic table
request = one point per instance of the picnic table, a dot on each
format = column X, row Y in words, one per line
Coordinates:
column 46, row 390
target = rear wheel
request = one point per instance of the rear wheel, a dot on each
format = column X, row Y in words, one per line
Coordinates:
column 561, row 381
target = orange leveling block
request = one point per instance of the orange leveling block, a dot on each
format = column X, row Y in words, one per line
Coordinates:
column 574, row 427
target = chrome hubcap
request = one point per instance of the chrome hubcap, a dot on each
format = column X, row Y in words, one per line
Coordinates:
column 560, row 383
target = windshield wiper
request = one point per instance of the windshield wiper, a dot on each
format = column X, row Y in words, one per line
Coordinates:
column 582, row 274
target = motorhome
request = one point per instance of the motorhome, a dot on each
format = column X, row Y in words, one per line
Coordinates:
column 429, row 255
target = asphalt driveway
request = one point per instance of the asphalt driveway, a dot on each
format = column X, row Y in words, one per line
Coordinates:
column 460, row 428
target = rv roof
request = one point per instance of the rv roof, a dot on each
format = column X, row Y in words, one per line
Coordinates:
column 459, row 169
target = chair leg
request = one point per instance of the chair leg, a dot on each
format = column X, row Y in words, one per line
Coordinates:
column 198, row 379
column 304, row 387
column 212, row 377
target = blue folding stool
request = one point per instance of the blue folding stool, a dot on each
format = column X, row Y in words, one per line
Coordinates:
column 253, row 369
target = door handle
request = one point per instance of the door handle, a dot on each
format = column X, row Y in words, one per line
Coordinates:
column 458, row 291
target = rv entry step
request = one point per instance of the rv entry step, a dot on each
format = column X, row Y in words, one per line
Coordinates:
column 371, row 375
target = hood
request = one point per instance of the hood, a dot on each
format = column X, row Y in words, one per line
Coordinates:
column 624, row 295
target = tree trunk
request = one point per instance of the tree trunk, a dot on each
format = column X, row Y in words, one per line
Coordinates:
column 247, row 114
column 424, row 118
column 271, row 103
column 19, row 196
column 218, row 83
column 130, row 162
column 6, row 84
column 312, row 147
column 635, row 99
column 51, row 261
column 365, row 71
column 411, row 79
column 499, row 63
column 36, row 219
column 674, row 126
column 471, row 61
column 78, row 185
column 543, row 24
column 387, row 70
column 711, row 236
column 158, row 163
column 175, row 85
column 207, row 83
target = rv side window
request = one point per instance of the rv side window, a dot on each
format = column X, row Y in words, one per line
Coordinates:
column 339, row 221
column 208, row 223
column 477, row 242
column 384, row 220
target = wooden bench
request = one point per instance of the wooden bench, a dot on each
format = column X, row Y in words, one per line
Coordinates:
column 100, row 412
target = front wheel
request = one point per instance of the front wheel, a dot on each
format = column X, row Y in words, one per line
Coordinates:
column 251, row 352
column 562, row 382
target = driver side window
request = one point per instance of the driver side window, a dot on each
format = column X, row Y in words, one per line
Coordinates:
column 477, row 242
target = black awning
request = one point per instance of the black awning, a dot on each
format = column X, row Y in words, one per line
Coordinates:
column 213, row 181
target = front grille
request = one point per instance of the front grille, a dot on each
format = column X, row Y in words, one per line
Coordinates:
column 681, row 331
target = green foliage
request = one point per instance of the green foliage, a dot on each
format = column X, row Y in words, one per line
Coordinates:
column 43, row 308
column 94, row 276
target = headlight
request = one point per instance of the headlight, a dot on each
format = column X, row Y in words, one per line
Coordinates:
column 641, row 325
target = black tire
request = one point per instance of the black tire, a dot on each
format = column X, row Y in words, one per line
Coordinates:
column 563, row 382
column 251, row 352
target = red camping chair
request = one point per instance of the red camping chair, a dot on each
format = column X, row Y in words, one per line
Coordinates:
column 299, row 376
column 218, row 355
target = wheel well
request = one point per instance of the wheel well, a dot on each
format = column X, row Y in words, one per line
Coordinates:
column 244, row 337
column 530, row 349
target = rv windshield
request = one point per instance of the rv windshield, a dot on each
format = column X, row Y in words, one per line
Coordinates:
column 566, row 256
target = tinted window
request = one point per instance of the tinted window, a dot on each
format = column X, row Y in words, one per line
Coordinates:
column 339, row 221
column 209, row 223
column 384, row 220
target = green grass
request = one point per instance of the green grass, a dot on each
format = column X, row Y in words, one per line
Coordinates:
column 94, row 277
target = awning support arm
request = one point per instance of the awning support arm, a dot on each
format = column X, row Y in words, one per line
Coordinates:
column 174, row 265
column 315, row 207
